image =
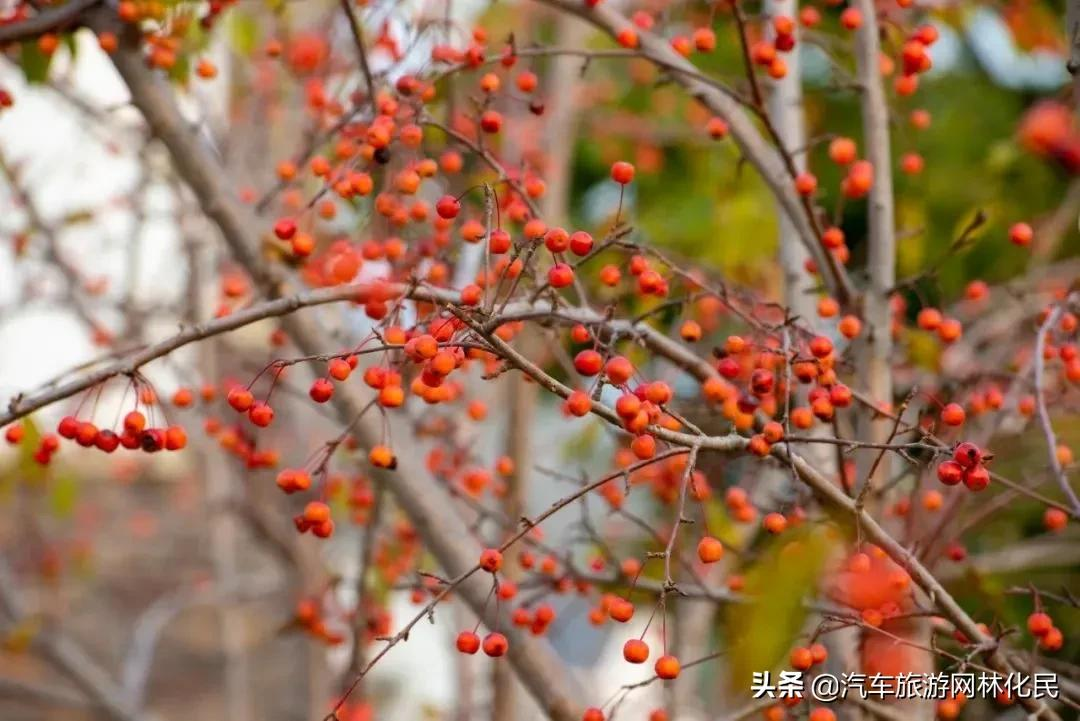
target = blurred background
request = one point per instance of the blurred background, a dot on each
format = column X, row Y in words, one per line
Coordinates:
column 178, row 572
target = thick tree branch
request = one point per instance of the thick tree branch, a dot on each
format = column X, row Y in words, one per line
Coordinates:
column 881, row 239
column 51, row 20
column 424, row 502
column 1039, row 361
column 768, row 162
column 69, row 657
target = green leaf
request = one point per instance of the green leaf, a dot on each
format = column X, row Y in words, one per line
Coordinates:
column 27, row 469
column 243, row 33
column 72, row 45
column 34, row 63
column 762, row 630
column 180, row 72
column 581, row 446
column 63, row 495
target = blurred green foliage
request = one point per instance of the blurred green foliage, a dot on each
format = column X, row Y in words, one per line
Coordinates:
column 694, row 197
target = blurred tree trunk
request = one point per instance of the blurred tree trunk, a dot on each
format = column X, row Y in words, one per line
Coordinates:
column 561, row 113
column 221, row 494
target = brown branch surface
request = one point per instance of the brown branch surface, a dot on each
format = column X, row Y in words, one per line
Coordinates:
column 425, row 503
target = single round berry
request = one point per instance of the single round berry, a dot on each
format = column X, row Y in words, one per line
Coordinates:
column 491, row 560
column 950, row 473
column 801, row 659
column 1021, row 234
column 588, row 362
column 495, row 645
column 953, row 415
column 967, row 454
column 621, row 610
column 977, row 478
column 636, row 651
column 710, row 550
column 622, row 172
column 448, row 207
column 468, row 642
column 667, row 667
column 1039, row 624
column 285, row 228
column 321, row 390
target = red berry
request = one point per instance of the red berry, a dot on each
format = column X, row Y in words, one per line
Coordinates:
column 468, row 642
column 636, row 651
column 821, row 347
column 151, row 440
column 622, row 172
column 339, row 369
column 1021, row 234
column 240, row 399
column 285, row 228
column 316, row 512
column 774, row 523
column 1039, row 624
column 967, row 454
column 561, row 275
column 710, row 550
column 621, row 610
column 107, row 441
column 1055, row 519
column 321, row 390
column 557, row 240
column 950, row 473
column 499, row 242
column 14, row 433
column 801, row 659
column 619, row 370
column 261, row 414
column 491, row 122
column 588, row 362
column 491, row 560
column 86, row 435
column 495, row 645
column 448, row 207
column 175, row 438
column 977, row 478
column 68, row 427
column 667, row 667
column 134, row 422
column 851, row 18
column 953, row 415
column 1052, row 640
column 805, row 184
column 579, row 404
column 581, row 243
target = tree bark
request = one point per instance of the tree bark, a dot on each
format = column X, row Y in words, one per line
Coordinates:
column 881, row 241
column 424, row 502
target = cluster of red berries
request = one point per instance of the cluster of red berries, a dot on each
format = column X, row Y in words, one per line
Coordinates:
column 315, row 518
column 494, row 644
column 243, row 401
column 915, row 58
column 536, row 621
column 802, row 658
column 233, row 439
column 636, row 651
column 766, row 53
column 1042, row 627
column 135, row 435
column 739, row 361
column 47, row 446
column 309, row 617
column 967, row 466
